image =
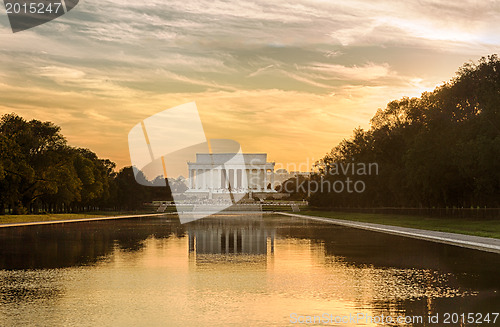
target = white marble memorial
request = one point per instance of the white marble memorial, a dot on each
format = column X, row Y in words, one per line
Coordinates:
column 224, row 172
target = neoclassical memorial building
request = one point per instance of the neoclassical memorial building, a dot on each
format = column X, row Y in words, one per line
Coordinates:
column 224, row 172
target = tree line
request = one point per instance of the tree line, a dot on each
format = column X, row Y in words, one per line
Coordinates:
column 441, row 149
column 40, row 172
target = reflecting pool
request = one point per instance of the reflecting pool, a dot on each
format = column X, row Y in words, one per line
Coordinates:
column 236, row 270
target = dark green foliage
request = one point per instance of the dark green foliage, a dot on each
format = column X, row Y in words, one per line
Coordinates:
column 39, row 172
column 442, row 149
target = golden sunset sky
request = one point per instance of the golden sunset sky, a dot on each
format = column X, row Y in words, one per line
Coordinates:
column 289, row 78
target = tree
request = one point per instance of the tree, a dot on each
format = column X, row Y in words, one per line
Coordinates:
column 440, row 149
column 39, row 155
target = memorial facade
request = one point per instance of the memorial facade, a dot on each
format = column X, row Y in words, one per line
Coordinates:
column 224, row 172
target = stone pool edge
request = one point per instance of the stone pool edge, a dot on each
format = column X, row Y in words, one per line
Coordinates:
column 79, row 220
column 466, row 241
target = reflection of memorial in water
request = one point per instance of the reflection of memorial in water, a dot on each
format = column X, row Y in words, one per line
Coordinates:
column 230, row 235
column 312, row 266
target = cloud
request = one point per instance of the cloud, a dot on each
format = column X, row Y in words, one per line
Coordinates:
column 62, row 74
column 368, row 71
column 260, row 70
column 289, row 78
column 306, row 80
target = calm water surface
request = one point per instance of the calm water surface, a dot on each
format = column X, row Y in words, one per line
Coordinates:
column 246, row 270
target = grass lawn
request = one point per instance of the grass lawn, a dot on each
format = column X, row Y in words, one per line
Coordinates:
column 9, row 219
column 485, row 228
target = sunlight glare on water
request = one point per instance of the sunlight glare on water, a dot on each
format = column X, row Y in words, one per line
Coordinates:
column 246, row 270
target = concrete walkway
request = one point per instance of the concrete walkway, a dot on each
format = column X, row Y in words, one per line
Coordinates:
column 79, row 220
column 466, row 241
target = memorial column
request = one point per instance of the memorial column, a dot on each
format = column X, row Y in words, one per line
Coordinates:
column 265, row 179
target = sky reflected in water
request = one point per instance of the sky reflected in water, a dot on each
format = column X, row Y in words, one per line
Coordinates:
column 231, row 270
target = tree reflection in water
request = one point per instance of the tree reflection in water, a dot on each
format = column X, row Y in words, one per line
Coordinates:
column 272, row 255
